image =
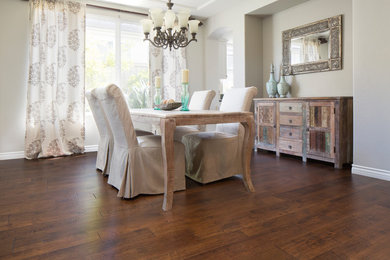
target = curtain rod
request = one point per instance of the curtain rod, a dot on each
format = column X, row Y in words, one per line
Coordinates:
column 116, row 9
column 111, row 9
column 122, row 11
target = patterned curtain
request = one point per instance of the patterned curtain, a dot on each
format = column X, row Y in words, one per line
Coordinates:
column 55, row 95
column 168, row 65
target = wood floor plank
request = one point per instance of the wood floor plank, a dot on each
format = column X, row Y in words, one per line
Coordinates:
column 63, row 208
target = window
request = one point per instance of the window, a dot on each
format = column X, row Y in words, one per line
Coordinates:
column 227, row 83
column 116, row 53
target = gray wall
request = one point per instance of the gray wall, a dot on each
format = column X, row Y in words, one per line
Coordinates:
column 13, row 74
column 371, row 87
column 334, row 83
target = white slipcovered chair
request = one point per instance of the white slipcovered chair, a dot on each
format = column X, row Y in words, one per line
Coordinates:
column 105, row 135
column 212, row 156
column 200, row 100
column 136, row 165
column 106, row 141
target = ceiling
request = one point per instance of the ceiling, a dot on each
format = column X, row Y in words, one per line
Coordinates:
column 200, row 8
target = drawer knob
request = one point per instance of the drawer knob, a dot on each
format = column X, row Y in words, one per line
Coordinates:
column 290, row 108
column 290, row 121
column 290, row 134
column 290, row 147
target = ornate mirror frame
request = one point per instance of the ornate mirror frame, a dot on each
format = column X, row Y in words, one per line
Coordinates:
column 334, row 25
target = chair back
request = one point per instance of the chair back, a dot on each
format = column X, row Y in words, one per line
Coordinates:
column 118, row 116
column 201, row 100
column 98, row 115
column 236, row 100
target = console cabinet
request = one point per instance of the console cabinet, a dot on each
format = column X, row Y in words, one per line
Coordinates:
column 317, row 128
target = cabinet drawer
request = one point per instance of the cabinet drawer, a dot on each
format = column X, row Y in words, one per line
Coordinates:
column 290, row 107
column 291, row 120
column 290, row 146
column 291, row 132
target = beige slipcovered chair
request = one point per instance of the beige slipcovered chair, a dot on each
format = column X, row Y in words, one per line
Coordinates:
column 106, row 141
column 136, row 165
column 105, row 135
column 212, row 156
column 200, row 100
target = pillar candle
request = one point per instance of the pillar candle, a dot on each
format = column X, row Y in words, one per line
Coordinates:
column 185, row 76
column 157, row 82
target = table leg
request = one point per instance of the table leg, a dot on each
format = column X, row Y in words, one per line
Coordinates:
column 247, row 151
column 167, row 129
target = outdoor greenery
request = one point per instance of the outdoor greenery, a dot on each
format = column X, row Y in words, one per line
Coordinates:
column 138, row 90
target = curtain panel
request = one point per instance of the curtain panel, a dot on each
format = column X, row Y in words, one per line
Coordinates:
column 168, row 65
column 55, row 94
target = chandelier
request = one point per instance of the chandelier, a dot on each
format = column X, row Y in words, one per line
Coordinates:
column 168, row 32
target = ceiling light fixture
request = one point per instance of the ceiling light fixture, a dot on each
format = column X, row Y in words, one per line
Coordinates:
column 168, row 32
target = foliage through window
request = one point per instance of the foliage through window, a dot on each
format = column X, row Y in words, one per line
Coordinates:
column 116, row 53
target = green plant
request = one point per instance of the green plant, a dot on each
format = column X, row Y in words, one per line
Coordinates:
column 138, row 91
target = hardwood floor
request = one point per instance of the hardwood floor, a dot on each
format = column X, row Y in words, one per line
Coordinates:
column 62, row 208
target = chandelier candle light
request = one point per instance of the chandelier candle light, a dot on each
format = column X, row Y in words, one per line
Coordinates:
column 167, row 34
column 185, row 94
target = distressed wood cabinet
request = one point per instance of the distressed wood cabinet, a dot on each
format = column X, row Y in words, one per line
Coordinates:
column 317, row 128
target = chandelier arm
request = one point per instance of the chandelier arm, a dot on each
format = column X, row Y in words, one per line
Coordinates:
column 192, row 40
column 157, row 46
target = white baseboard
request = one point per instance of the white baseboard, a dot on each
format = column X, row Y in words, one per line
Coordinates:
column 20, row 154
column 12, row 155
column 91, row 148
column 371, row 172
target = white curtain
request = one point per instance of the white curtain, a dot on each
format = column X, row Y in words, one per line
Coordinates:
column 55, row 95
column 168, row 65
column 311, row 50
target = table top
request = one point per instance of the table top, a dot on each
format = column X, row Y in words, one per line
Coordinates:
column 149, row 112
column 194, row 117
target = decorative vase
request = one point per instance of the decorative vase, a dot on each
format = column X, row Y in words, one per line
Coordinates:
column 283, row 86
column 185, row 97
column 271, row 84
column 157, row 98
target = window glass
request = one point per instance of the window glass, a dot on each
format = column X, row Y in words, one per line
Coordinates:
column 99, row 53
column 228, row 82
column 116, row 53
column 134, row 64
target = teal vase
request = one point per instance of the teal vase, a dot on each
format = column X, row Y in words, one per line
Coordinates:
column 283, row 87
column 185, row 97
column 271, row 84
column 157, row 98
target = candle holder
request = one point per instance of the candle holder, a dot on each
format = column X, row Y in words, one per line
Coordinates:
column 185, row 97
column 157, row 99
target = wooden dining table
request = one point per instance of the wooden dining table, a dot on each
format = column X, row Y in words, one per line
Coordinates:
column 168, row 120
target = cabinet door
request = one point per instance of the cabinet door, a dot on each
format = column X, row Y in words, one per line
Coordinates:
column 320, row 129
column 266, row 134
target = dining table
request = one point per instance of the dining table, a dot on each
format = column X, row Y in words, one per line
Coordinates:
column 167, row 122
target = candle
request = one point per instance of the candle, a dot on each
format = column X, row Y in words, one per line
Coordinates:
column 157, row 82
column 184, row 76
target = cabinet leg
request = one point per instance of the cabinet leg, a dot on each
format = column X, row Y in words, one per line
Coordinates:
column 277, row 153
column 338, row 165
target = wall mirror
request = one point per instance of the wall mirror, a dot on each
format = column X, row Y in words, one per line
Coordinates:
column 313, row 47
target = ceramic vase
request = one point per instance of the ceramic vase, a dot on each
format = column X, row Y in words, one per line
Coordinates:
column 271, row 84
column 283, row 86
